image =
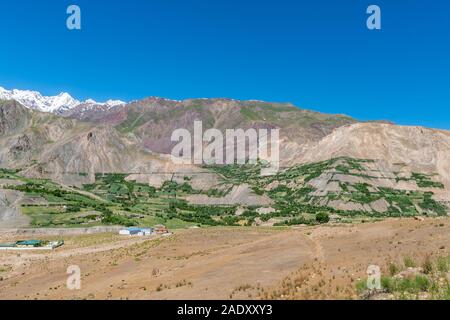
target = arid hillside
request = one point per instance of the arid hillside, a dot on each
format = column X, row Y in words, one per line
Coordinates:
column 45, row 145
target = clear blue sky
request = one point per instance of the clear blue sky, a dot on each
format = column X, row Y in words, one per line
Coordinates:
column 317, row 54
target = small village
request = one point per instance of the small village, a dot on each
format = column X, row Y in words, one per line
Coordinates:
column 34, row 244
column 141, row 232
column 24, row 245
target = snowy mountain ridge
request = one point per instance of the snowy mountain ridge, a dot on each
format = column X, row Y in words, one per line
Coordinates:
column 52, row 104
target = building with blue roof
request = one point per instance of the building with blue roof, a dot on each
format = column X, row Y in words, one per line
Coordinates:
column 136, row 231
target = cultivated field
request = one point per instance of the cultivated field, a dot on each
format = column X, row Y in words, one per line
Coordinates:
column 309, row 262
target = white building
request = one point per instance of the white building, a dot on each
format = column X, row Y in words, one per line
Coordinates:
column 136, row 232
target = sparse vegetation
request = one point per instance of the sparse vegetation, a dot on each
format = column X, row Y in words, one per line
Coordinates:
column 426, row 282
column 409, row 262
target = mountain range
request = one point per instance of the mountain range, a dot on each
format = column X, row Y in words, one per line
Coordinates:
column 54, row 104
column 68, row 141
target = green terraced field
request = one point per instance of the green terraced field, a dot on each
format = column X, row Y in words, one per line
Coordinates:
column 114, row 200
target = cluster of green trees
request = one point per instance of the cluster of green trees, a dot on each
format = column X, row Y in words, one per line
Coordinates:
column 321, row 217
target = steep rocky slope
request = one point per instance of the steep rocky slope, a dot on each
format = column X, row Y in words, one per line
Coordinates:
column 396, row 148
column 43, row 143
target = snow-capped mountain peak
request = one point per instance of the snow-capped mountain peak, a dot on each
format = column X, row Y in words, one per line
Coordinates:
column 108, row 103
column 55, row 104
column 61, row 102
column 90, row 101
column 114, row 103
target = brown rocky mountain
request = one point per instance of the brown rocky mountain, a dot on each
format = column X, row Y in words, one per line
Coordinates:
column 153, row 120
column 44, row 143
column 133, row 137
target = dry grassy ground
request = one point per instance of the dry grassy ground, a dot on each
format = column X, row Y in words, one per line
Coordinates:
column 322, row 262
